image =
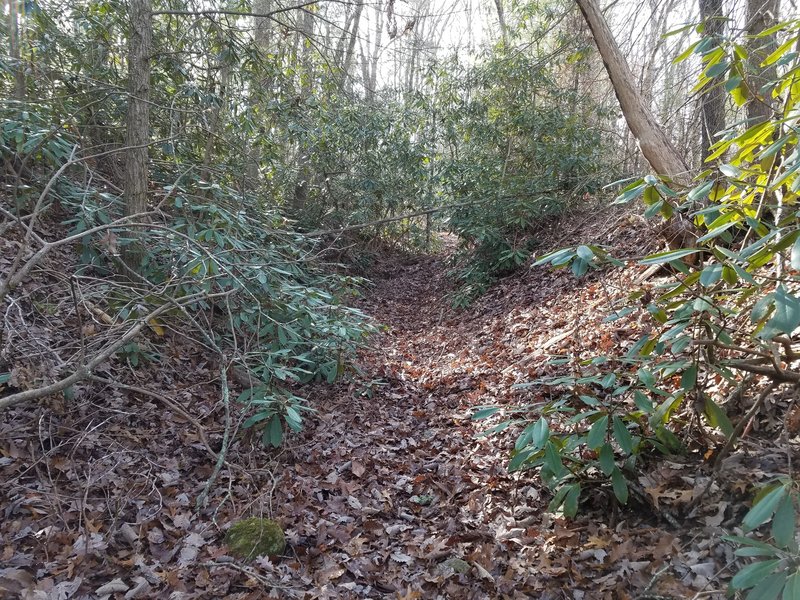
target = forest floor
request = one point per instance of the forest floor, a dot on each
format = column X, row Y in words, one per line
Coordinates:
column 389, row 492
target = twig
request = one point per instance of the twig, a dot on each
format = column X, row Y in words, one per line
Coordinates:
column 168, row 402
column 223, row 451
column 762, row 397
column 85, row 370
column 247, row 570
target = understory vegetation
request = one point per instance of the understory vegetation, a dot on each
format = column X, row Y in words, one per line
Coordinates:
column 192, row 187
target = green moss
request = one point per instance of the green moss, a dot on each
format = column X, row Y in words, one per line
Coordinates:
column 253, row 537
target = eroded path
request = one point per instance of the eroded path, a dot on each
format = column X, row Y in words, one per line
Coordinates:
column 389, row 492
column 396, row 487
column 394, row 495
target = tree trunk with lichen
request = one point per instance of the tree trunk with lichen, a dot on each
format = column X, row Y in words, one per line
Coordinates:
column 140, row 42
column 659, row 151
column 712, row 107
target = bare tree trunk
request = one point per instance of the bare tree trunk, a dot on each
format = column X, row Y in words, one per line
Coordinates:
column 501, row 18
column 216, row 119
column 373, row 67
column 304, row 174
column 263, row 26
column 351, row 46
column 761, row 15
column 656, row 147
column 14, row 50
column 140, row 43
column 712, row 106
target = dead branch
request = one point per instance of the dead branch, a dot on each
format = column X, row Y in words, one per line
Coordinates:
column 166, row 401
column 762, row 397
column 85, row 370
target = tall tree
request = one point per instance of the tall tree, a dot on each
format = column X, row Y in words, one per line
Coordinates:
column 712, row 102
column 761, row 15
column 304, row 171
column 14, row 49
column 656, row 147
column 140, row 42
column 501, row 18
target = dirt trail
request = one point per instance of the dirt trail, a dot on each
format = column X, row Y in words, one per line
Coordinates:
column 394, row 493
column 389, row 492
column 394, row 483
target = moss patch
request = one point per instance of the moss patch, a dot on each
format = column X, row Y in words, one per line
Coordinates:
column 253, row 537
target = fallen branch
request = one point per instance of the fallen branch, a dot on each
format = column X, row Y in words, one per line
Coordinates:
column 85, row 370
column 776, row 375
column 223, row 451
column 168, row 402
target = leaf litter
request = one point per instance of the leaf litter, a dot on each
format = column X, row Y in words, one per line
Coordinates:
column 391, row 491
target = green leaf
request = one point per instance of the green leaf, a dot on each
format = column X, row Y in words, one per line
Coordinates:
column 685, row 54
column 665, row 257
column 770, row 588
column 585, row 253
column 558, row 498
column 761, row 308
column 711, row 275
column 571, row 500
column 622, row 435
column 787, row 312
column 729, row 275
column 717, row 69
column 717, row 417
column 553, row 257
column 484, row 413
column 519, row 459
column 606, row 460
column 620, row 486
column 642, row 402
column 746, row 541
column 632, row 191
column 780, row 51
column 689, row 378
column 292, row 416
column 540, row 433
column 784, row 522
column 553, row 460
column 273, row 433
column 730, row 171
column 795, row 257
column 597, row 433
column 764, row 508
column 647, row 378
column 753, row 574
column 792, row 589
column 579, row 267
column 256, row 418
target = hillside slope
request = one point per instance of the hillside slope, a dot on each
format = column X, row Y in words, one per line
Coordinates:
column 390, row 491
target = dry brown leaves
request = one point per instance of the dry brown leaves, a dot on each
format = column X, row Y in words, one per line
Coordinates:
column 388, row 493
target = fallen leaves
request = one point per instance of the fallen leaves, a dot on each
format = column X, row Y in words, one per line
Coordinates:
column 388, row 492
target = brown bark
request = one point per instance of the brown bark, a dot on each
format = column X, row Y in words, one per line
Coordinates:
column 712, row 107
column 14, row 50
column 654, row 144
column 501, row 18
column 761, row 15
column 351, row 46
column 304, row 172
column 140, row 43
